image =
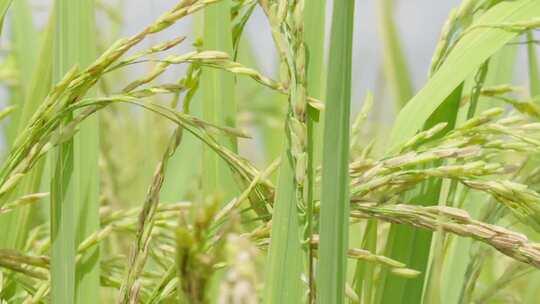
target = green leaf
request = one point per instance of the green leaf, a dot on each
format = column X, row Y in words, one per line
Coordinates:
column 410, row 245
column 500, row 71
column 455, row 263
column 25, row 38
column 470, row 52
column 62, row 197
column 534, row 76
column 74, row 204
column 4, row 7
column 283, row 282
column 334, row 217
column 531, row 295
column 24, row 51
column 395, row 64
column 219, row 105
column 186, row 163
column 364, row 278
column 86, row 173
column 314, row 40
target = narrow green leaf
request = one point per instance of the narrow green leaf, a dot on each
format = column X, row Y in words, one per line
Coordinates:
column 219, row 105
column 284, row 270
column 314, row 14
column 4, row 7
column 534, row 76
column 334, row 218
column 71, row 191
column 314, row 38
column 86, row 173
column 186, row 163
column 62, row 199
column 25, row 41
column 531, row 295
column 410, row 245
column 24, row 51
column 455, row 263
column 40, row 83
column 364, row 279
column 470, row 52
column 500, row 71
column 395, row 64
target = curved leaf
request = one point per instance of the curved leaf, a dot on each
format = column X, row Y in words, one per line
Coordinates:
column 470, row 52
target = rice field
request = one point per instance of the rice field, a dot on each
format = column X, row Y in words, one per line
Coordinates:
column 170, row 166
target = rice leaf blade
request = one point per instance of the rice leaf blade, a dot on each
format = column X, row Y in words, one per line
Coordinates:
column 24, row 36
column 219, row 105
column 531, row 295
column 73, row 46
column 470, row 52
column 395, row 64
column 314, row 40
column 4, row 7
column 283, row 279
column 86, row 149
column 334, row 217
column 62, row 203
column 364, row 279
column 409, row 245
column 534, row 76
column 454, row 271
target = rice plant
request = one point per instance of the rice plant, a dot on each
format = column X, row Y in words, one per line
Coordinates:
column 168, row 168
